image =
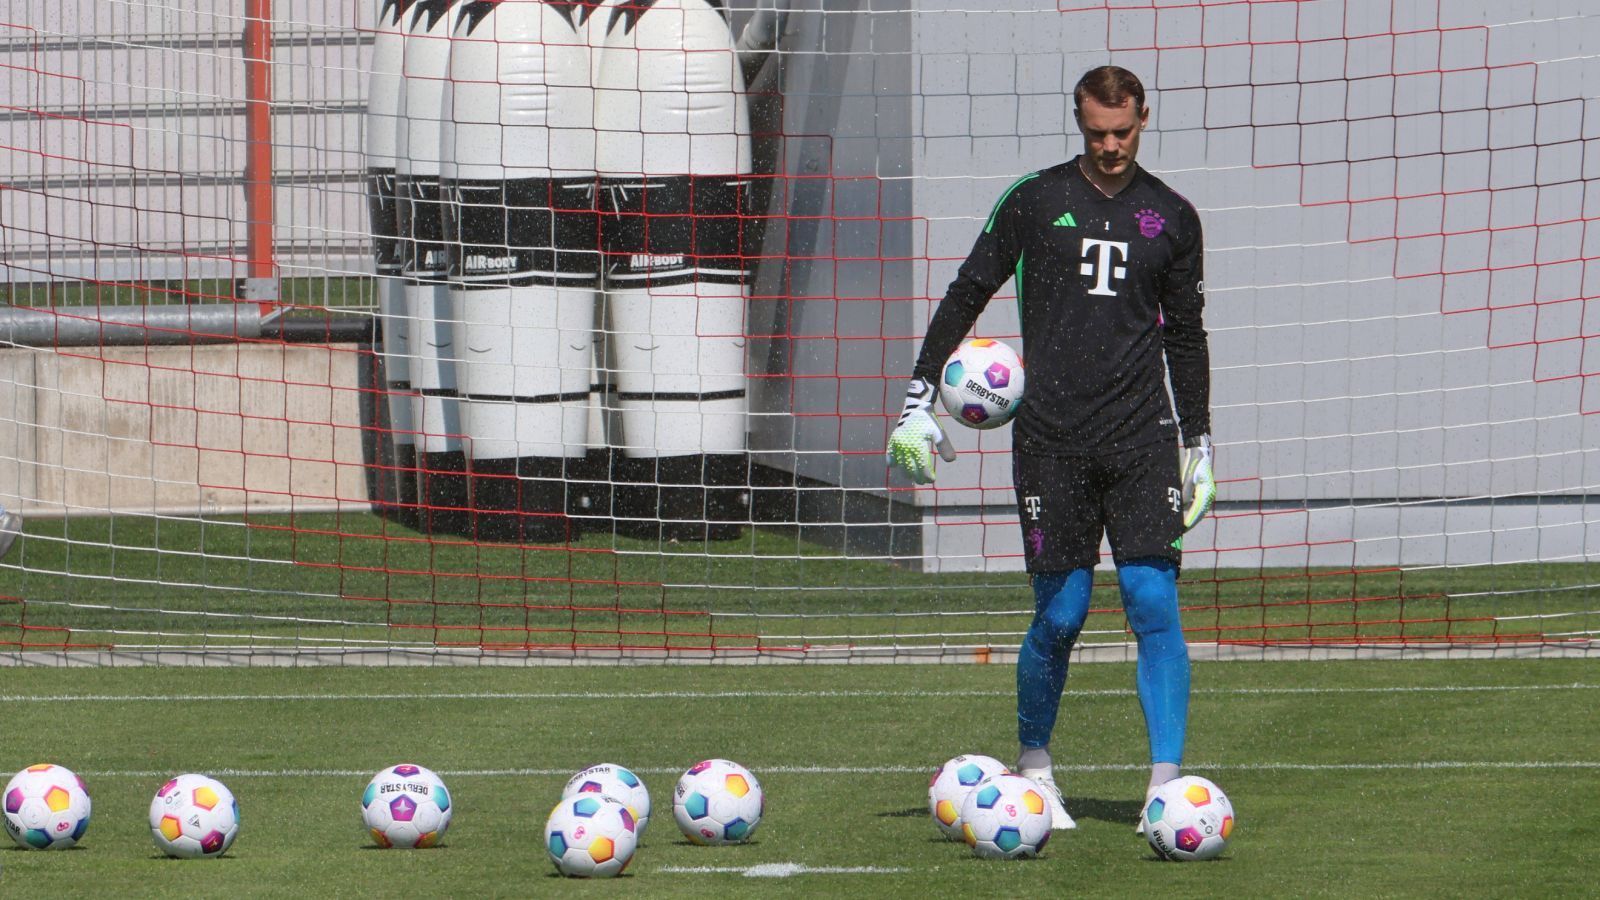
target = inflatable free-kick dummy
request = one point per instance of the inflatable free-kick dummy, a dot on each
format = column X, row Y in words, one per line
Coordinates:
column 596, row 157
column 436, row 416
column 398, row 488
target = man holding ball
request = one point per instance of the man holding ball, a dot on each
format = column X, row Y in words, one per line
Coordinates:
column 1110, row 283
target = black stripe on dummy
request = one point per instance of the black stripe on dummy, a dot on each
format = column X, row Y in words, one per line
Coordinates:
column 570, row 397
column 678, row 229
column 383, row 207
column 396, row 479
column 680, row 396
column 680, row 498
column 420, row 223
column 533, row 231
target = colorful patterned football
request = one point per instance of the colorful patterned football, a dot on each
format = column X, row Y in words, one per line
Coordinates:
column 718, row 802
column 591, row 835
column 950, row 784
column 616, row 781
column 1005, row 817
column 982, row 383
column 46, row 807
column 194, row 817
column 1188, row 819
column 406, row 806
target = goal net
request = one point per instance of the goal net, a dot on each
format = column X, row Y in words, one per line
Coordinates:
column 365, row 331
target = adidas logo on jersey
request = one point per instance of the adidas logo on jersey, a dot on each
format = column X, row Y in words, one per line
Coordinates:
column 1067, row 221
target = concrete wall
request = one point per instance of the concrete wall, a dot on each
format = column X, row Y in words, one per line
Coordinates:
column 181, row 430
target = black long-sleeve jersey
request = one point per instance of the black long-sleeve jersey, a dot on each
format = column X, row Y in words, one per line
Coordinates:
column 1111, row 293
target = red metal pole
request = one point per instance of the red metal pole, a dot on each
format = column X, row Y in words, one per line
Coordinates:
column 262, row 282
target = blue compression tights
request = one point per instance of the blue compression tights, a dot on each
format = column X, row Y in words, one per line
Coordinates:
column 1061, row 603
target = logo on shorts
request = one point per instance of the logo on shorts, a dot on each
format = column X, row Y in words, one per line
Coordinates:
column 1033, row 505
column 1150, row 222
column 1035, row 541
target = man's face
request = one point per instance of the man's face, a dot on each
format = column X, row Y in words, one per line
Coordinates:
column 1111, row 134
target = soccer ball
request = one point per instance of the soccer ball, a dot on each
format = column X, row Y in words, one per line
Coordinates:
column 1005, row 817
column 590, row 835
column 718, row 802
column 406, row 806
column 950, row 785
column 194, row 817
column 1189, row 818
column 46, row 807
column 616, row 781
column 982, row 383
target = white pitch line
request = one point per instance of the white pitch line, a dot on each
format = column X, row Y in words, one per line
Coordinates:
column 1420, row 766
column 755, row 695
column 782, row 870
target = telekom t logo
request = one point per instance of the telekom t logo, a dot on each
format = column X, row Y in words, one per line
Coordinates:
column 1105, row 268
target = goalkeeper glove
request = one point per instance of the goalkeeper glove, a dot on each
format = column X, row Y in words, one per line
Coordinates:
column 917, row 433
column 1199, row 488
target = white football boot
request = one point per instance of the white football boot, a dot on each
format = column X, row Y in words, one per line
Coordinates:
column 1059, row 820
column 10, row 527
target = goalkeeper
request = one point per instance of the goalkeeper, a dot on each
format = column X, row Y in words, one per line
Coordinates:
column 1111, row 290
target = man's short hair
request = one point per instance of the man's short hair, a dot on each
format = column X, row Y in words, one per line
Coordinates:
column 1109, row 86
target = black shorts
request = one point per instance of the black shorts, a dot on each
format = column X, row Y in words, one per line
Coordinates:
column 1067, row 503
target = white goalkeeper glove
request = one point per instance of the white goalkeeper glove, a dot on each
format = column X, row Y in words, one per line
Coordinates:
column 1199, row 487
column 915, row 436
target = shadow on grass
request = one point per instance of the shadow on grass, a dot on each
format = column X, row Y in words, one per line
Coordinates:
column 1117, row 811
column 1151, row 857
column 1126, row 811
column 912, row 812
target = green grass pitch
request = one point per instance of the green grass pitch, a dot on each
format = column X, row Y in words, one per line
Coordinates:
column 349, row 579
column 1351, row 779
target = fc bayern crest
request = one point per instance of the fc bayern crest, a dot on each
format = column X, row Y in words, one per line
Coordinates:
column 1151, row 224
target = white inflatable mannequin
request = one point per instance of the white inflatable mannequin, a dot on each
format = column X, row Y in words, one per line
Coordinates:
column 442, row 479
column 673, row 152
column 398, row 488
column 519, row 146
column 541, row 96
